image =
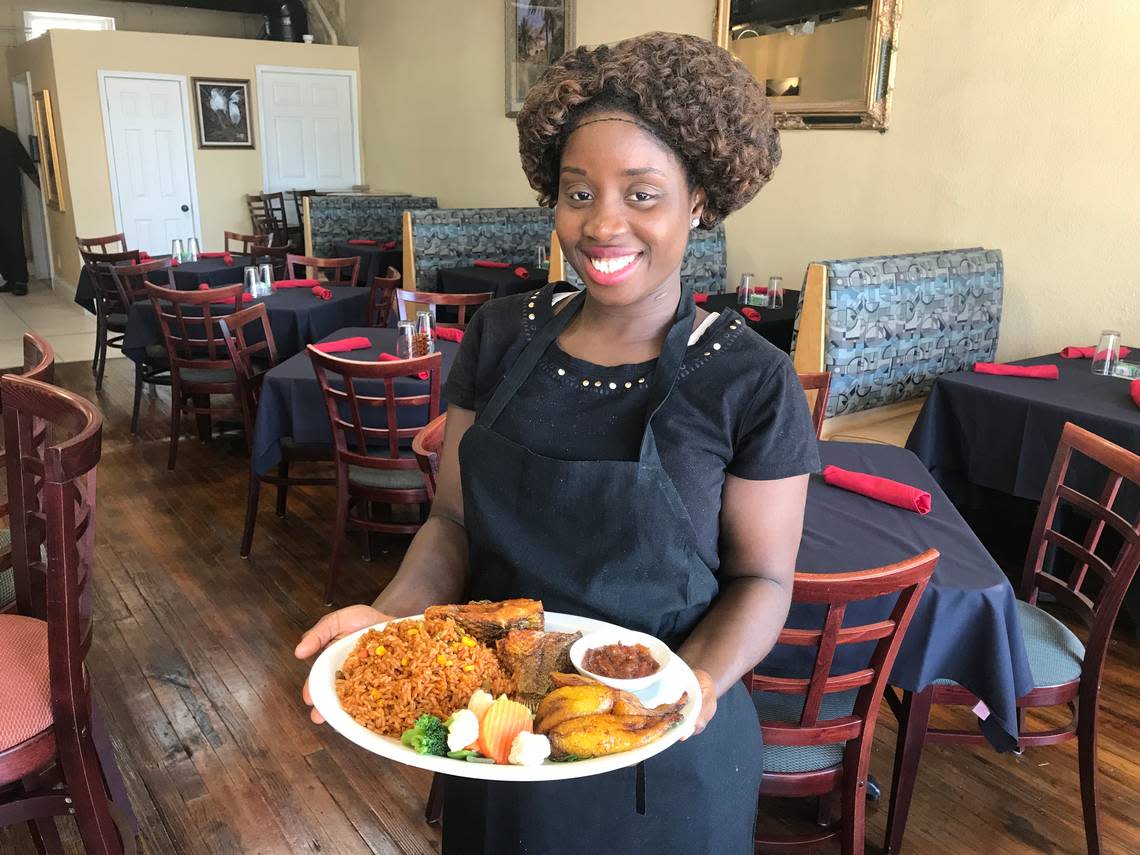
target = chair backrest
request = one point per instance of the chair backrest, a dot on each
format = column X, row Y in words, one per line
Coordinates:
column 427, row 446
column 354, row 390
column 249, row 342
column 244, row 242
column 109, row 297
column 431, row 299
column 275, row 255
column 132, row 279
column 105, row 244
column 815, row 387
column 190, row 325
column 299, row 203
column 380, row 300
column 332, row 219
column 262, row 220
column 908, row 579
column 1090, row 577
column 51, row 490
column 336, row 271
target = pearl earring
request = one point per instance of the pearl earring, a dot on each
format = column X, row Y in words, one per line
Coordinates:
column 696, row 221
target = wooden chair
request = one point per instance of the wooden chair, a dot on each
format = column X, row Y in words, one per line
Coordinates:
column 372, row 465
column 261, row 253
column 1065, row 671
column 819, row 383
column 812, row 335
column 249, row 342
column 431, row 299
column 55, row 760
column 244, row 242
column 818, row 731
column 275, row 211
column 427, row 446
column 335, row 271
column 259, row 219
column 380, row 300
column 103, row 244
column 110, row 305
column 200, row 365
column 299, row 197
column 39, row 364
column 153, row 369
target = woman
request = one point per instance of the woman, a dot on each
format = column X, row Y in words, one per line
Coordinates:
column 620, row 453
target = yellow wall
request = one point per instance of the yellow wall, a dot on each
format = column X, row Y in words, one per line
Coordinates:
column 144, row 17
column 224, row 176
column 1015, row 125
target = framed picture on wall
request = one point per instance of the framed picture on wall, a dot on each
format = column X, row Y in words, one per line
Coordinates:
column 538, row 33
column 51, row 177
column 223, row 109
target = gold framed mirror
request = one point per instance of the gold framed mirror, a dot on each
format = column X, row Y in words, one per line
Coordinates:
column 823, row 63
column 51, row 179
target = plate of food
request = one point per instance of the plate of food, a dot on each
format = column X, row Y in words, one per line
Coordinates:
column 487, row 690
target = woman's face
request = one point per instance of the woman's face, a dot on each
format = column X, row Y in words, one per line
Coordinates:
column 624, row 210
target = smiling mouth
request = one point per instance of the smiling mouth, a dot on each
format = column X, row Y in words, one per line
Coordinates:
column 610, row 266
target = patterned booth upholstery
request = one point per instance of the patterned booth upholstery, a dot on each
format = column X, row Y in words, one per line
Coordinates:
column 893, row 323
column 333, row 219
column 457, row 237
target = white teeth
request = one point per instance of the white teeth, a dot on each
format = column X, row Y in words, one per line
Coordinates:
column 612, row 265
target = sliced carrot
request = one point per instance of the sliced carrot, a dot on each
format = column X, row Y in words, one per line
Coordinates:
column 504, row 720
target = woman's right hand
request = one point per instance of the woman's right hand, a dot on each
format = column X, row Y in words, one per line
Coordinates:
column 328, row 629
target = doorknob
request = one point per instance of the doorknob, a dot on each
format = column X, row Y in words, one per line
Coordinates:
column 185, row 208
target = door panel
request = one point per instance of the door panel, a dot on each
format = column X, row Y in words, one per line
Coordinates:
column 147, row 130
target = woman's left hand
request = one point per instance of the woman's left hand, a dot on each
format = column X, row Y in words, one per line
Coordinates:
column 708, row 699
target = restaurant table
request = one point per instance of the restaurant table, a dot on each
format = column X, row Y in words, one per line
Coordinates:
column 989, row 441
column 774, row 324
column 187, row 277
column 499, row 281
column 965, row 627
column 296, row 316
column 291, row 405
column 374, row 261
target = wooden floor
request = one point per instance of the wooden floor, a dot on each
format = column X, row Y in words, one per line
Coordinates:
column 194, row 672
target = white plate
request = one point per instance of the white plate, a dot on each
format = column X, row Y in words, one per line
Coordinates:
column 677, row 678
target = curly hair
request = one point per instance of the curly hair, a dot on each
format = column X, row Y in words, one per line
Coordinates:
column 695, row 97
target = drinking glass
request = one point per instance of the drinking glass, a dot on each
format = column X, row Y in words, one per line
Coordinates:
column 265, row 274
column 193, row 249
column 405, row 339
column 775, row 292
column 744, row 292
column 542, row 263
column 1107, row 353
column 425, row 334
column 176, row 249
column 252, row 281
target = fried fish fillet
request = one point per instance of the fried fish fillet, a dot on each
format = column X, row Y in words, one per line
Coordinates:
column 578, row 696
column 606, row 733
column 488, row 621
column 529, row 656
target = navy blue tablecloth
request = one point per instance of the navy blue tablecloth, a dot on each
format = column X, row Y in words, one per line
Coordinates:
column 291, row 404
column 499, row 281
column 965, row 628
column 296, row 317
column 187, row 277
column 774, row 324
column 374, row 261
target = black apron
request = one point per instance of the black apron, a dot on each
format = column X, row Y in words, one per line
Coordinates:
column 607, row 539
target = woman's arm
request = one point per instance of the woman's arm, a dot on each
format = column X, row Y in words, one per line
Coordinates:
column 761, row 523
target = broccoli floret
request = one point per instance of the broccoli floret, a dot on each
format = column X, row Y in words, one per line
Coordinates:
column 427, row 736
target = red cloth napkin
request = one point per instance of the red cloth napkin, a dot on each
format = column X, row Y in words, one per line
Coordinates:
column 296, row 283
column 750, row 313
column 449, row 334
column 143, row 256
column 1072, row 352
column 1037, row 372
column 224, row 256
column 229, row 301
column 323, row 293
column 388, row 357
column 389, row 244
column 479, row 262
column 1134, row 390
column 174, row 262
column 362, row 242
column 522, row 273
column 356, row 342
column 882, row 489
column 700, row 297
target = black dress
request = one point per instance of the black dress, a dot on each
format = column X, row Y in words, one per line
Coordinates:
column 608, row 533
column 13, row 161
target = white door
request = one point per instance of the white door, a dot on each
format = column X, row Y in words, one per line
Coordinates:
column 39, row 262
column 152, row 171
column 309, row 129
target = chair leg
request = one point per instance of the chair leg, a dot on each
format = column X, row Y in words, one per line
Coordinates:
column 98, row 339
column 339, row 534
column 100, row 358
column 45, row 836
column 1086, row 753
column 252, row 496
column 205, row 425
column 138, row 398
column 365, row 534
column 853, row 822
column 282, row 489
column 175, row 427
column 433, row 812
column 97, row 827
column 112, row 777
column 828, row 802
column 908, row 751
